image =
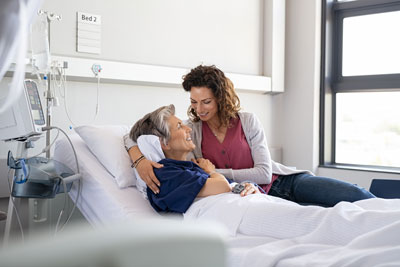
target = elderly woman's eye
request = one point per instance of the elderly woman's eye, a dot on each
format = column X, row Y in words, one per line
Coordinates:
column 179, row 125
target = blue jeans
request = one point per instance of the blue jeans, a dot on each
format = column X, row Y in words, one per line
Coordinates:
column 307, row 189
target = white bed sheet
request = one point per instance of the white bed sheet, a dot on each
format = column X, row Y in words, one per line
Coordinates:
column 102, row 202
column 364, row 233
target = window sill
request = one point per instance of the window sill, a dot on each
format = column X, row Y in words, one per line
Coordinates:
column 391, row 170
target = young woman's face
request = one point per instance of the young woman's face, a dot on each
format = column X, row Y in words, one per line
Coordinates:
column 204, row 102
column 180, row 140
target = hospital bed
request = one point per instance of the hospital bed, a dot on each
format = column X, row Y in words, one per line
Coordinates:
column 102, row 201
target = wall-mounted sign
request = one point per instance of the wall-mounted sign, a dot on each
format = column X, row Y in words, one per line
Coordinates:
column 88, row 33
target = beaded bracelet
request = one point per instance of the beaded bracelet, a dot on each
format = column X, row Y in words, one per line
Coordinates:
column 134, row 165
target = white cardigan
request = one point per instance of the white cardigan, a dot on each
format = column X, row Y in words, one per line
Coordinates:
column 264, row 166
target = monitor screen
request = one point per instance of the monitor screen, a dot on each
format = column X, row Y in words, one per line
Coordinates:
column 26, row 117
column 36, row 106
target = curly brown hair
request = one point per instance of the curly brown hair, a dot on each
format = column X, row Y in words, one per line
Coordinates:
column 222, row 88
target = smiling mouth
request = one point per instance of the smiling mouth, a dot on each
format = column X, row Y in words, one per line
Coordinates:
column 189, row 139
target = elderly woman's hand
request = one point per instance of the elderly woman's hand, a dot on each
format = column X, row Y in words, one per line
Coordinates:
column 249, row 189
column 205, row 164
column 146, row 172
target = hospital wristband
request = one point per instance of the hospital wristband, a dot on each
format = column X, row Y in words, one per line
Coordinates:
column 136, row 162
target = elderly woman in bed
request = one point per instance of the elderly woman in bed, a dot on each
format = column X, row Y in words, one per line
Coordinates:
column 199, row 192
column 181, row 181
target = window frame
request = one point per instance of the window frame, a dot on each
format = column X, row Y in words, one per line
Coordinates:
column 332, row 81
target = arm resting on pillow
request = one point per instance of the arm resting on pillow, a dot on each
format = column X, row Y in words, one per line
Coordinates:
column 145, row 169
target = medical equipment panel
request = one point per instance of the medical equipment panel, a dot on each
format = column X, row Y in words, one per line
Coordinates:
column 38, row 177
column 25, row 118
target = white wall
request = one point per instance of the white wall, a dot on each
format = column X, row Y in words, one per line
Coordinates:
column 296, row 111
column 168, row 33
column 179, row 33
column 124, row 104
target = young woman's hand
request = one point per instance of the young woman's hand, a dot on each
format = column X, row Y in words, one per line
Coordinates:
column 146, row 172
column 249, row 189
column 205, row 164
column 145, row 169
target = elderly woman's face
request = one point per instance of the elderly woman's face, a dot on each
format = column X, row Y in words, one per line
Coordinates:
column 204, row 102
column 180, row 139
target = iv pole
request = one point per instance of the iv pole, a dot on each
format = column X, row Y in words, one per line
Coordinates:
column 49, row 94
column 22, row 147
column 37, row 206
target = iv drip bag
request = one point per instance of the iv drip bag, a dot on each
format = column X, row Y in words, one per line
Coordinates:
column 40, row 45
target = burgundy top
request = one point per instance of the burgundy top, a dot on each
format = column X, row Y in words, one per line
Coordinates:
column 233, row 153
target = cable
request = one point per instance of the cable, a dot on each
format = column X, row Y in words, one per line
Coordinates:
column 98, row 93
column 53, row 76
column 14, row 206
column 77, row 168
column 69, row 140
column 65, row 97
column 73, row 208
column 66, row 103
column 47, row 147
column 65, row 204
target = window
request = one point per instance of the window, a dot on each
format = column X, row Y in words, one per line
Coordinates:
column 368, row 133
column 371, row 44
column 360, row 84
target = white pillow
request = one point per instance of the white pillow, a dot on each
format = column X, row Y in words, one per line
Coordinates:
column 107, row 144
column 150, row 147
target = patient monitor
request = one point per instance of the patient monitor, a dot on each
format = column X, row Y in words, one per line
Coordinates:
column 25, row 119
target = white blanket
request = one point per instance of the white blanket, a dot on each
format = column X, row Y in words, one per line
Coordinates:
column 365, row 233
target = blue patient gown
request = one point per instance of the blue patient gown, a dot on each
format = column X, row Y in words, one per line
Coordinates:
column 181, row 181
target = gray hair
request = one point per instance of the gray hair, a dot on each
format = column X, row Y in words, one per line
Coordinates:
column 155, row 123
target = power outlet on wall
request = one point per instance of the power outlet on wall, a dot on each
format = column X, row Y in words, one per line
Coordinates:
column 96, row 68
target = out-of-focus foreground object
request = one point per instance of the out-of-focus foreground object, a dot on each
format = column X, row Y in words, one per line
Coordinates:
column 162, row 242
column 15, row 20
